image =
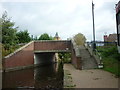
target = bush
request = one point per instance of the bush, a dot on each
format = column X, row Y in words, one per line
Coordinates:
column 79, row 39
column 11, row 49
column 66, row 57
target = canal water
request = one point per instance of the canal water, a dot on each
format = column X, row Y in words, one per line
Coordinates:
column 49, row 76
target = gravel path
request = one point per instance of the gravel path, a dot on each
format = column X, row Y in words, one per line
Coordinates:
column 94, row 78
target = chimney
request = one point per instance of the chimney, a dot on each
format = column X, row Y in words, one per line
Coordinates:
column 105, row 38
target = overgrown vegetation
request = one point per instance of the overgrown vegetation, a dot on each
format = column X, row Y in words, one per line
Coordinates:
column 79, row 40
column 65, row 57
column 111, row 59
column 60, row 73
column 68, row 82
column 11, row 37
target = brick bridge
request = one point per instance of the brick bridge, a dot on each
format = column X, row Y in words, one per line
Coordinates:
column 33, row 53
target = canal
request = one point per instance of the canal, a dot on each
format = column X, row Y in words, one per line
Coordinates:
column 47, row 76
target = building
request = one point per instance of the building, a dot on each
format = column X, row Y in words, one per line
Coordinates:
column 110, row 38
column 56, row 54
column 118, row 24
column 56, row 36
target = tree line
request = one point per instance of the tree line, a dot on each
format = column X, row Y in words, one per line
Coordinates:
column 11, row 36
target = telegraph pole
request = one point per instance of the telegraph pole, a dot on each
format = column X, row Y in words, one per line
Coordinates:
column 94, row 44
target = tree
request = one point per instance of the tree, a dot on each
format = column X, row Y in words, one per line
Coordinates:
column 9, row 37
column 79, row 39
column 45, row 36
column 23, row 36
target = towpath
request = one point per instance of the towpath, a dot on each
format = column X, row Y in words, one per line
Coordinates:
column 94, row 78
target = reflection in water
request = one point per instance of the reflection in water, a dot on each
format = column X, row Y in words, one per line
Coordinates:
column 18, row 78
column 40, row 77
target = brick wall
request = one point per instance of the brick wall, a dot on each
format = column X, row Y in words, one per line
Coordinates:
column 24, row 57
column 76, row 61
column 52, row 45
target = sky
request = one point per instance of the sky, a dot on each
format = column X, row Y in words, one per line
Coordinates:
column 67, row 17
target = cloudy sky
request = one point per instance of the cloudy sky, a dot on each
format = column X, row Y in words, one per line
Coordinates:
column 67, row 17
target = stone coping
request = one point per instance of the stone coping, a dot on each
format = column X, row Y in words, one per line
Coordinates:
column 52, row 40
column 41, row 51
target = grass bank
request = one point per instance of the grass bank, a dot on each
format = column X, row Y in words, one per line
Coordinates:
column 110, row 58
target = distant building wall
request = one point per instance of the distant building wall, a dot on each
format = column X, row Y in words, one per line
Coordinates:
column 110, row 38
column 105, row 38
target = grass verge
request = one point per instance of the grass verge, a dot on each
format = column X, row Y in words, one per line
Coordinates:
column 111, row 59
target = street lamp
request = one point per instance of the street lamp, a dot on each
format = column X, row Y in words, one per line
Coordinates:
column 93, row 44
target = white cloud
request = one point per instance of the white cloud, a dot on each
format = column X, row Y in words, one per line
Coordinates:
column 1, row 9
column 67, row 17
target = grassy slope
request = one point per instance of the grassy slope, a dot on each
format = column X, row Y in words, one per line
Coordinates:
column 110, row 59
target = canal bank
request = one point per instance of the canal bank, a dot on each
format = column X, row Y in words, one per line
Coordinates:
column 95, row 78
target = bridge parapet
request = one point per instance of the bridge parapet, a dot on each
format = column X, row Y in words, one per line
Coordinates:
column 52, row 45
column 76, row 48
column 96, row 55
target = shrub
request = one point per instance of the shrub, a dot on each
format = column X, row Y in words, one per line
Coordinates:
column 66, row 57
column 112, row 53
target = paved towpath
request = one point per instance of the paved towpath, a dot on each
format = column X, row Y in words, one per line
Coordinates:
column 94, row 78
column 88, row 62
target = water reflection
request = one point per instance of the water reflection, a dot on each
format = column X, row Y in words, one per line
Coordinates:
column 40, row 77
column 20, row 78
